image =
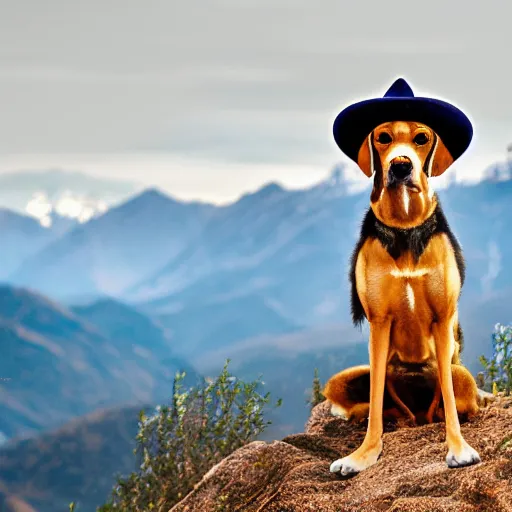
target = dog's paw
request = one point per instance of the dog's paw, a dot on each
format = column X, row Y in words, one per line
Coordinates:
column 354, row 463
column 346, row 467
column 337, row 410
column 465, row 457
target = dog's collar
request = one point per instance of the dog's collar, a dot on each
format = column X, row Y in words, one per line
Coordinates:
column 396, row 241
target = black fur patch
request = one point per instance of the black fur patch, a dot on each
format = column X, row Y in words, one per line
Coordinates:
column 398, row 241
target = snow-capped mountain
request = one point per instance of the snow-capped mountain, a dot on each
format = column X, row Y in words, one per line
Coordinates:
column 62, row 198
column 76, row 208
column 113, row 251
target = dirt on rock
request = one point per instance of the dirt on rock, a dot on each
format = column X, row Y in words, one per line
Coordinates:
column 411, row 475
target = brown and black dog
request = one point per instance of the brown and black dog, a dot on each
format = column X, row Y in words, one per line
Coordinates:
column 407, row 273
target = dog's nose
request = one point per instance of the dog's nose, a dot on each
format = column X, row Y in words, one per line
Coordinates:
column 400, row 168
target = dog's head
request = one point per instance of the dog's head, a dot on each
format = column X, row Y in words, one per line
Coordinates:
column 403, row 155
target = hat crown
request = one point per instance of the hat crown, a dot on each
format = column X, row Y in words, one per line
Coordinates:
column 399, row 89
column 353, row 124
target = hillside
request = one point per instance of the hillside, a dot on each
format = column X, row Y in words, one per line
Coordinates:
column 22, row 236
column 287, row 247
column 77, row 462
column 222, row 324
column 293, row 475
column 126, row 325
column 57, row 364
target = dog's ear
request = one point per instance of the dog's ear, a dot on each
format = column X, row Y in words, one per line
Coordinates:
column 366, row 156
column 440, row 158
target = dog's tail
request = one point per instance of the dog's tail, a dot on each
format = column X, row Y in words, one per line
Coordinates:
column 349, row 387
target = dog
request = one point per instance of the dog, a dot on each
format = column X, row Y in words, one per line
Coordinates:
column 407, row 271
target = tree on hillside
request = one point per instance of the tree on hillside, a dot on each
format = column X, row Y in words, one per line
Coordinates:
column 179, row 443
column 316, row 391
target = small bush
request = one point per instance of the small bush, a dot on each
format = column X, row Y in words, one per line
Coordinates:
column 498, row 369
column 316, row 391
column 179, row 443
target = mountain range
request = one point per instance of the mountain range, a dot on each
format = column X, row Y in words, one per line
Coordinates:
column 113, row 250
column 275, row 261
column 36, row 208
column 99, row 316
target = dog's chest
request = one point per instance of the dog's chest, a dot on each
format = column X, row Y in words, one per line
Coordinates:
column 407, row 286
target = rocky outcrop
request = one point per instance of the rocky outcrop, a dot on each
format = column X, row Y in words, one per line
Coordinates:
column 293, row 475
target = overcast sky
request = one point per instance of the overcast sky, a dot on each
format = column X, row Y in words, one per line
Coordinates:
column 212, row 98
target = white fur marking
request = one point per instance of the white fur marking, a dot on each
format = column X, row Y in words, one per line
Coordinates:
column 429, row 170
column 409, row 273
column 410, row 296
column 370, row 148
column 404, row 150
column 405, row 196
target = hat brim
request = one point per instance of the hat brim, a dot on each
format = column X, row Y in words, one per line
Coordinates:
column 357, row 121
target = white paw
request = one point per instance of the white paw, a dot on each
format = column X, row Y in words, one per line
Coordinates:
column 337, row 410
column 466, row 457
column 350, row 465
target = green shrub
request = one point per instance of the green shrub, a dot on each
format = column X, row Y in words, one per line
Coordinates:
column 316, row 391
column 179, row 443
column 498, row 369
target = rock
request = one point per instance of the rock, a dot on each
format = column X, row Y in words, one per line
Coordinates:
column 293, row 475
column 485, row 397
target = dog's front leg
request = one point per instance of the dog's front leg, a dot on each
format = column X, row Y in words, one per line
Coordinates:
column 459, row 451
column 368, row 453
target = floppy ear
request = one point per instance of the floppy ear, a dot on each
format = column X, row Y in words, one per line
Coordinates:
column 365, row 158
column 440, row 158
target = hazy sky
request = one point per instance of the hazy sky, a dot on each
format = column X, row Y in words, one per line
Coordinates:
column 211, row 98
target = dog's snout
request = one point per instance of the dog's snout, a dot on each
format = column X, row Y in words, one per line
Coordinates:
column 400, row 168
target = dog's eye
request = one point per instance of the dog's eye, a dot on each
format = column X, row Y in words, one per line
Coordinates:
column 384, row 138
column 421, row 139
